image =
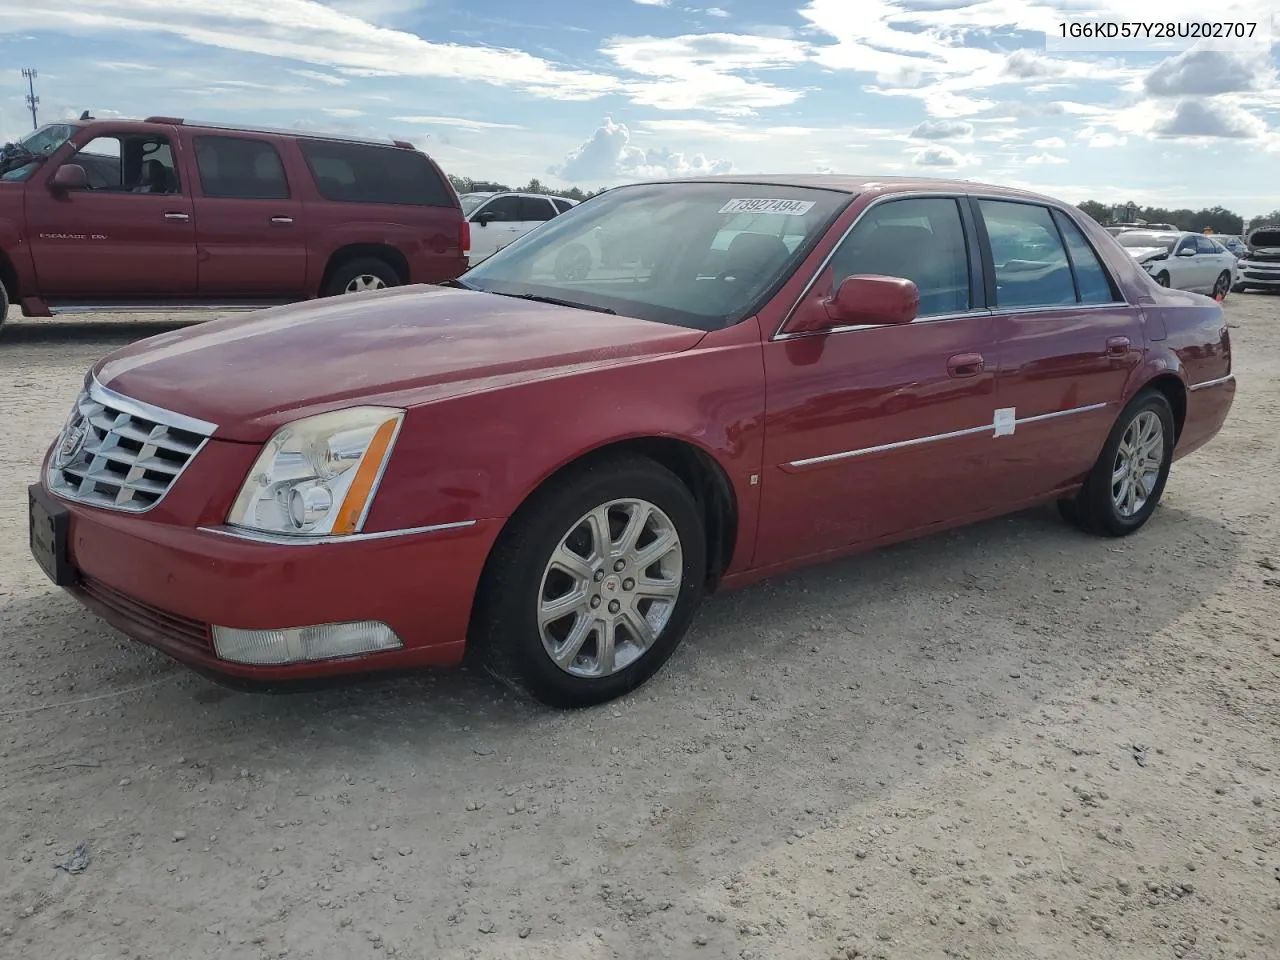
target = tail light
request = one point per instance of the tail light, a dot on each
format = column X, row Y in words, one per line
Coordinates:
column 464, row 236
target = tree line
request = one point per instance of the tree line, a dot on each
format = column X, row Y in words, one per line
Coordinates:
column 1218, row 219
column 468, row 185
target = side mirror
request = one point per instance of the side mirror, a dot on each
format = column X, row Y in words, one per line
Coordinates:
column 70, row 176
column 1186, row 252
column 484, row 219
column 870, row 299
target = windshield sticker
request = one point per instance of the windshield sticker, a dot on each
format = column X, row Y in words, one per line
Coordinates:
column 794, row 208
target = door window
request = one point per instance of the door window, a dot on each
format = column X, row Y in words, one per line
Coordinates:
column 500, row 210
column 129, row 163
column 1031, row 266
column 1186, row 243
column 536, row 208
column 921, row 240
column 237, row 167
column 1092, row 279
column 1205, row 245
column 562, row 205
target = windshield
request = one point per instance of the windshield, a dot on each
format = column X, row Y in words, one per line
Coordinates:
column 472, row 200
column 700, row 255
column 19, row 160
column 1134, row 238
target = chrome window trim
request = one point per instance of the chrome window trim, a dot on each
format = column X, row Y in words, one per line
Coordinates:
column 284, row 540
column 933, row 438
column 976, row 312
column 147, row 411
column 1218, row 382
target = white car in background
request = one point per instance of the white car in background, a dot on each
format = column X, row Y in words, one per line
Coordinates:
column 498, row 219
column 1260, row 263
column 1183, row 260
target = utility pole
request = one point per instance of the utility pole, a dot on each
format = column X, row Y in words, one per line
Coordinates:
column 32, row 100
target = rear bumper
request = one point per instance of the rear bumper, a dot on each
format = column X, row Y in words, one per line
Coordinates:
column 166, row 586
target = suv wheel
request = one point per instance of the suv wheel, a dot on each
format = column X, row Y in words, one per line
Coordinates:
column 360, row 276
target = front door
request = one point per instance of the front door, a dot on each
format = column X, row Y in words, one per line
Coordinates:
column 875, row 430
column 249, row 229
column 129, row 234
column 493, row 225
column 1068, row 343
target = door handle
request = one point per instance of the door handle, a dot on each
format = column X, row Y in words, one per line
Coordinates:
column 172, row 215
column 282, row 219
column 964, row 365
column 1118, row 346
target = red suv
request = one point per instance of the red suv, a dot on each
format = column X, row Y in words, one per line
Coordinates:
column 124, row 214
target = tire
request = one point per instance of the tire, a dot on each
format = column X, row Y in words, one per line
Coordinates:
column 4, row 304
column 1162, row 278
column 1222, row 285
column 1101, row 507
column 507, row 636
column 375, row 274
column 574, row 262
column 1239, row 288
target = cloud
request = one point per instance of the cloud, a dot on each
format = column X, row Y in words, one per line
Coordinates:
column 607, row 155
column 1049, row 143
column 1206, row 118
column 942, row 130
column 1025, row 65
column 1043, row 158
column 653, row 3
column 325, row 78
column 1102, row 139
column 461, row 122
column 716, row 12
column 942, row 156
column 701, row 72
column 311, row 32
column 1208, row 72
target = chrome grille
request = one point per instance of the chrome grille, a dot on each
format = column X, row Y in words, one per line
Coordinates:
column 118, row 453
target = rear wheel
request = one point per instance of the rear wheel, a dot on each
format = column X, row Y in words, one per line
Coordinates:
column 593, row 587
column 1222, row 285
column 1127, row 481
column 4, row 304
column 361, row 275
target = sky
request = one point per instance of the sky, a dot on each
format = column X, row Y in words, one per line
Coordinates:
column 600, row 93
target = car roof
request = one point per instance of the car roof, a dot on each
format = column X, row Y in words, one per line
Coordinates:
column 854, row 184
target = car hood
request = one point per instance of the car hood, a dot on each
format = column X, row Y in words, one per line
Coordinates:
column 1141, row 253
column 253, row 373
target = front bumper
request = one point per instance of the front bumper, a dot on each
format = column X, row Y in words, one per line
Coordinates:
column 167, row 585
column 1258, row 274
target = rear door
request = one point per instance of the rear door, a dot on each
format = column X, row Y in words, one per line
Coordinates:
column 250, row 233
column 534, row 212
column 1068, row 342
column 129, row 235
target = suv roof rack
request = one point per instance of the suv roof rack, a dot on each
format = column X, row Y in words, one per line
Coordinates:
column 282, row 131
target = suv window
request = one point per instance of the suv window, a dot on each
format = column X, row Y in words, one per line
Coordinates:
column 129, row 163
column 562, row 205
column 241, row 168
column 536, row 208
column 365, row 173
column 1092, row 279
column 1031, row 263
column 921, row 240
column 501, row 209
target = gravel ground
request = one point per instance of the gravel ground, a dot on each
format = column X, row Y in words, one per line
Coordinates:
column 1009, row 741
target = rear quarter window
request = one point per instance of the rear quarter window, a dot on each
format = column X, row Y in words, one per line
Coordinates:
column 365, row 173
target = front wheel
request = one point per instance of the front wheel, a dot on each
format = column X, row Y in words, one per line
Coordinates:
column 594, row 585
column 1128, row 479
column 1162, row 278
column 4, row 304
column 1222, row 285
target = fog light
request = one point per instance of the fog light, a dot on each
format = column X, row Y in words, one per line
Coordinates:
column 302, row 644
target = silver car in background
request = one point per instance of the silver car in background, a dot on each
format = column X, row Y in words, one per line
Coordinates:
column 1183, row 260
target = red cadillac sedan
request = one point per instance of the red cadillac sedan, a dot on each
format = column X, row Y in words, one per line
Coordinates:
column 550, row 461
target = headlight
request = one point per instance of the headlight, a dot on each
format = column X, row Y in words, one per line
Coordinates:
column 317, row 476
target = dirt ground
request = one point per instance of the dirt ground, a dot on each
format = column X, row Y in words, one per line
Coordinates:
column 1011, row 741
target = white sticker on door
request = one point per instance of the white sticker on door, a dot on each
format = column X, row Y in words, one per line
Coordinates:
column 1004, row 421
column 794, row 208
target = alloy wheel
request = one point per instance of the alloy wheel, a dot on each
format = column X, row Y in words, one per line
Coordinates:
column 365, row 281
column 1136, row 470
column 610, row 588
